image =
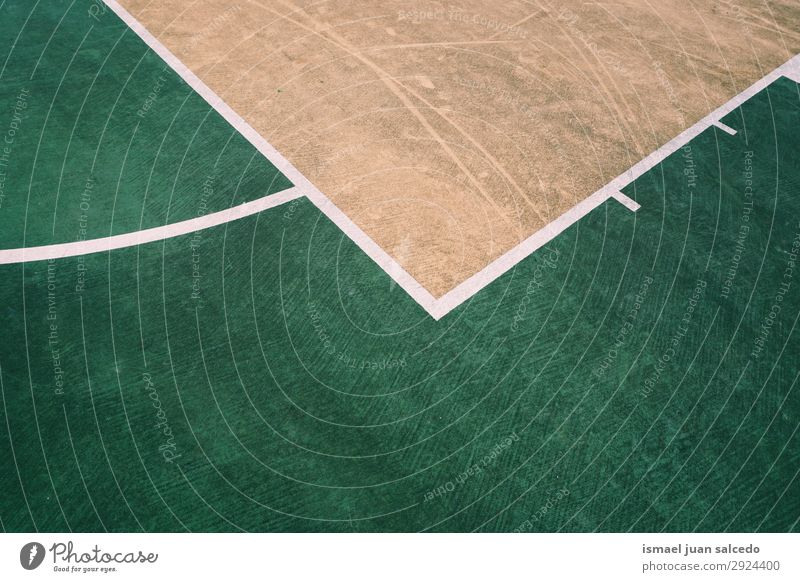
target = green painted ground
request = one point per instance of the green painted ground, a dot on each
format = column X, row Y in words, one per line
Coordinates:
column 266, row 375
column 97, row 137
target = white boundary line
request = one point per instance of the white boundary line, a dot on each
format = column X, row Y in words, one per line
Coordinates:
column 437, row 308
column 109, row 243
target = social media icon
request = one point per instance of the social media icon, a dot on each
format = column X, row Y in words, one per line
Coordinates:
column 31, row 555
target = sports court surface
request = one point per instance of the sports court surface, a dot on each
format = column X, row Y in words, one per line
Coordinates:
column 444, row 267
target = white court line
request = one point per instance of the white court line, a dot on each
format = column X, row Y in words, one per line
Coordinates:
column 438, row 308
column 109, row 243
column 628, row 203
column 726, row 128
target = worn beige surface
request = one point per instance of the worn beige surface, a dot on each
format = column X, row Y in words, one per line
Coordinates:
column 451, row 132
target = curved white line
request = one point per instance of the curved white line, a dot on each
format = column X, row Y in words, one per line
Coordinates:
column 119, row 241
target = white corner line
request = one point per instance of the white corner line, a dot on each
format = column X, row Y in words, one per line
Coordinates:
column 793, row 74
column 119, row 241
column 438, row 308
column 726, row 128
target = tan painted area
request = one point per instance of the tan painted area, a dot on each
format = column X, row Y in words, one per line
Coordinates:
column 451, row 132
